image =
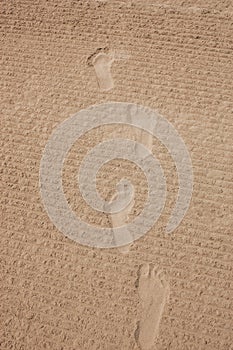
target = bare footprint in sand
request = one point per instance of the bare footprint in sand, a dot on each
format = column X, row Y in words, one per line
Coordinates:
column 102, row 64
column 120, row 219
column 154, row 293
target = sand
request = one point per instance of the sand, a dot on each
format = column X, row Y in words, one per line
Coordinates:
column 163, row 291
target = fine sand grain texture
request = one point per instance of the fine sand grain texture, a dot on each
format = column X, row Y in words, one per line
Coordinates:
column 175, row 57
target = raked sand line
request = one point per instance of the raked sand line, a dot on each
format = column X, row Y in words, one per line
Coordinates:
column 154, row 293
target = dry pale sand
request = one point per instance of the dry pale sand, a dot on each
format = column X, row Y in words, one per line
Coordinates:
column 163, row 291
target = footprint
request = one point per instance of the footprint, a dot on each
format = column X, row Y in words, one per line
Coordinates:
column 102, row 64
column 154, row 293
column 120, row 219
column 145, row 138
